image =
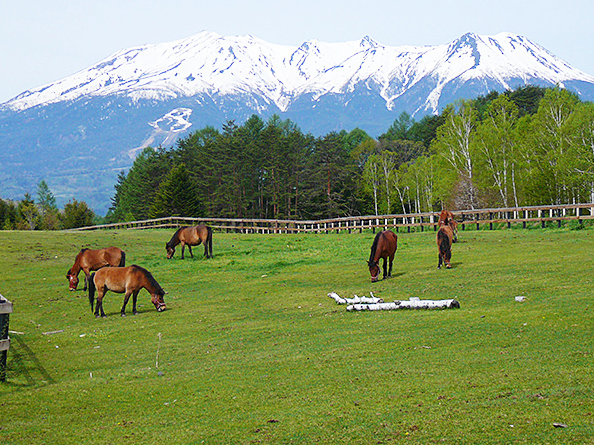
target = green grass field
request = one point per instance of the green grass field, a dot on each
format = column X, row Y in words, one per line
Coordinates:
column 251, row 349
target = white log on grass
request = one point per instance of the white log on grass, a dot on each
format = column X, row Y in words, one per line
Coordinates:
column 355, row 300
column 412, row 303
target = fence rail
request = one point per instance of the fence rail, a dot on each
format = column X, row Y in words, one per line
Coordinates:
column 534, row 215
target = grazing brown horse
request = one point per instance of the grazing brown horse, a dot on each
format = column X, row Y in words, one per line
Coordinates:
column 191, row 236
column 124, row 280
column 445, row 235
column 384, row 246
column 89, row 260
column 448, row 216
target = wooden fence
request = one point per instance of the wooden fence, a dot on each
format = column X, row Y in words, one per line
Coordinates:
column 535, row 215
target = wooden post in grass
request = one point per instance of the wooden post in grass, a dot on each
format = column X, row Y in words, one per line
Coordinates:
column 5, row 311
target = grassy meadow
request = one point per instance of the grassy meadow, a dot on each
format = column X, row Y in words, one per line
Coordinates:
column 251, row 349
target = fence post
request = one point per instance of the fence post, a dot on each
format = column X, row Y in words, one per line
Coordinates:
column 5, row 311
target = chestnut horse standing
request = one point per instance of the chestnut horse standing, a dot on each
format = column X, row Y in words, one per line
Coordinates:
column 124, row 280
column 448, row 216
column 89, row 260
column 384, row 246
column 191, row 236
column 445, row 235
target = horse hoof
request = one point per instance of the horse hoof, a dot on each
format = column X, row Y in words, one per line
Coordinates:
column 448, row 267
column 123, row 315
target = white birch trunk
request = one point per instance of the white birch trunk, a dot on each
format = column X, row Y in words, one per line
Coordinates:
column 413, row 303
column 355, row 300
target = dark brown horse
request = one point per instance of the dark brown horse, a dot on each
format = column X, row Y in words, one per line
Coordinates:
column 384, row 246
column 191, row 236
column 89, row 260
column 448, row 216
column 445, row 236
column 124, row 280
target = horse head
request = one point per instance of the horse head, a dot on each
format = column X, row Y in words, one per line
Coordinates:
column 170, row 250
column 159, row 302
column 72, row 280
column 374, row 270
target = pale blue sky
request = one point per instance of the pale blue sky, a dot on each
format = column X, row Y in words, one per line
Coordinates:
column 45, row 40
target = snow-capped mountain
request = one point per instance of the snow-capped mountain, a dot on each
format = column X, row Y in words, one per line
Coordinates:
column 76, row 133
column 212, row 65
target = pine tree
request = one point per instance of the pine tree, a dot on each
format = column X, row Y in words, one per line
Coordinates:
column 176, row 196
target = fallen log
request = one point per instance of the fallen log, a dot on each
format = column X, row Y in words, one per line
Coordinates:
column 412, row 303
column 355, row 300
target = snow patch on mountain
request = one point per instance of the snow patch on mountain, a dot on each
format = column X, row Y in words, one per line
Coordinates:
column 166, row 130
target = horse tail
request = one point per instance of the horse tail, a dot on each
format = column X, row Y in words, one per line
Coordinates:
column 209, row 240
column 92, row 289
column 445, row 246
column 122, row 259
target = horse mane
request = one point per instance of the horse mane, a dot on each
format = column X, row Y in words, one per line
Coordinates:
column 374, row 247
column 79, row 254
column 175, row 237
column 150, row 279
column 76, row 260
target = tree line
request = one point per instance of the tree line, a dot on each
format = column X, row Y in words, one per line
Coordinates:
column 529, row 146
column 43, row 213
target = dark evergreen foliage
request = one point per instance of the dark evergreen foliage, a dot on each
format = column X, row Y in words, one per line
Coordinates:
column 273, row 170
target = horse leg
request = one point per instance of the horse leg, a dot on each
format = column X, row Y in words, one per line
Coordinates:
column 183, row 248
column 87, row 278
column 126, row 298
column 439, row 257
column 134, row 298
column 99, row 305
column 190, row 249
column 385, row 267
column 98, row 300
column 390, row 266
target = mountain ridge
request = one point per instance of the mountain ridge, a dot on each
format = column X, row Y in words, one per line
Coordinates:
column 208, row 63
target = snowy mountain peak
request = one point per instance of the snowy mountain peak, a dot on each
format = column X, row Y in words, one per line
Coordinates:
column 368, row 42
column 209, row 64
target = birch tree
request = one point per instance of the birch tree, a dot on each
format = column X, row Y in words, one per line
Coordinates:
column 496, row 142
column 371, row 178
column 454, row 142
column 548, row 149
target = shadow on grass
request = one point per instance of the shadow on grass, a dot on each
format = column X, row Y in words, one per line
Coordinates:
column 24, row 365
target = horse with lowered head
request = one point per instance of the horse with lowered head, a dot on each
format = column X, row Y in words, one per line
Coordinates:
column 191, row 236
column 128, row 281
column 384, row 246
column 89, row 260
